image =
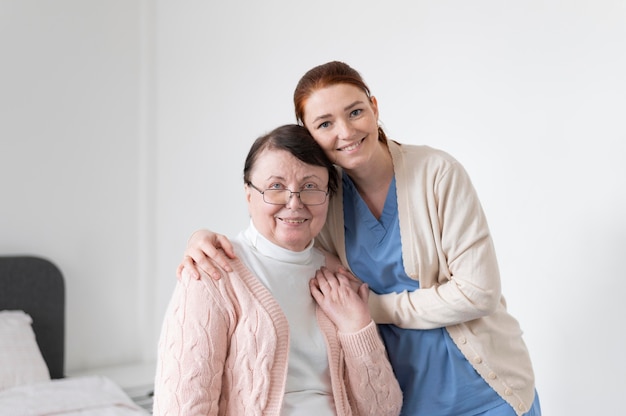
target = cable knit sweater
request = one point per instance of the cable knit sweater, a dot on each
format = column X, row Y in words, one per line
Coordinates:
column 224, row 351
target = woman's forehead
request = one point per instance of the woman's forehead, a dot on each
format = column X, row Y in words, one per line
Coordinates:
column 336, row 97
column 281, row 164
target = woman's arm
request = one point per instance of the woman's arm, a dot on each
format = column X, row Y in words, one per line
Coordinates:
column 190, row 365
column 451, row 253
column 370, row 383
column 202, row 246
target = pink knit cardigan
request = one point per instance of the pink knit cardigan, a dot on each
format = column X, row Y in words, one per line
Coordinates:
column 224, row 349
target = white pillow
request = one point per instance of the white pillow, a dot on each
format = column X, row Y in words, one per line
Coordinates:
column 21, row 361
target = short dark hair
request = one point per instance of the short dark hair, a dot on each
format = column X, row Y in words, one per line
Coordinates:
column 298, row 141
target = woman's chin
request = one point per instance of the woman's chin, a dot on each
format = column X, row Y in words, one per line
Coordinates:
column 294, row 243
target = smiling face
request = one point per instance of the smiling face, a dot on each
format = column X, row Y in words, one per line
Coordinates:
column 344, row 121
column 293, row 225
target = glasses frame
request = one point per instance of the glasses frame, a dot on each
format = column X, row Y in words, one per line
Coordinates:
column 291, row 193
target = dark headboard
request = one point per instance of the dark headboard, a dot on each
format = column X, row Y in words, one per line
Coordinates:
column 35, row 286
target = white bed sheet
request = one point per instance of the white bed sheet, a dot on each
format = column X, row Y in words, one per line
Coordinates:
column 84, row 396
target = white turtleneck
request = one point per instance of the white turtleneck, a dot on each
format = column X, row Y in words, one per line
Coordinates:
column 286, row 275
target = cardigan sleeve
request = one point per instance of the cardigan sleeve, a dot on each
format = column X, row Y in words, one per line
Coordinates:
column 371, row 386
column 191, row 351
column 446, row 244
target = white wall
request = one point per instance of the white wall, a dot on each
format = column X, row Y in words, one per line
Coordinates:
column 530, row 96
column 71, row 170
column 114, row 152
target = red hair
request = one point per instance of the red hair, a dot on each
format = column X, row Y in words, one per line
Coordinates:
column 325, row 75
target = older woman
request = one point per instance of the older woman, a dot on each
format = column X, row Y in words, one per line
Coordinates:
column 269, row 340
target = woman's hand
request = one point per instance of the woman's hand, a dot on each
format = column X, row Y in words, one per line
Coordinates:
column 202, row 246
column 343, row 298
column 354, row 281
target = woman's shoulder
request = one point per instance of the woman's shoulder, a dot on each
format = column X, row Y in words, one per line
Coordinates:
column 421, row 151
column 206, row 286
column 423, row 158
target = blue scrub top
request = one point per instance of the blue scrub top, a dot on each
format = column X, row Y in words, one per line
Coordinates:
column 435, row 377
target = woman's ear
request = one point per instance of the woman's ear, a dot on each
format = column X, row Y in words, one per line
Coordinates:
column 246, row 188
column 374, row 104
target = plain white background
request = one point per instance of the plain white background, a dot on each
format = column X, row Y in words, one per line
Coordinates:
column 124, row 124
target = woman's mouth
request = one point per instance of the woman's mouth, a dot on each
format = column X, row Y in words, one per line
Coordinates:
column 292, row 220
column 351, row 147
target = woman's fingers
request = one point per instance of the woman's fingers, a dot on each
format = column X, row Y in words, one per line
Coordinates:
column 345, row 272
column 326, row 279
column 197, row 260
column 355, row 282
column 364, row 292
column 345, row 306
column 189, row 266
column 336, row 286
column 205, row 258
column 225, row 244
column 202, row 254
column 315, row 290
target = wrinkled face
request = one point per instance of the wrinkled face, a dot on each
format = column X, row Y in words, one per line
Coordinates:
column 344, row 121
column 292, row 225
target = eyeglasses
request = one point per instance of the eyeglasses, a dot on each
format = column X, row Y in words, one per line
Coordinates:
column 283, row 196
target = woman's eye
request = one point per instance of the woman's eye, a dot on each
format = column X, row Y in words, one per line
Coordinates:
column 324, row 125
column 275, row 186
column 309, row 186
column 356, row 112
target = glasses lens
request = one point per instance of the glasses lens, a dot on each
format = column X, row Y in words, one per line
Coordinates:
column 276, row 196
column 281, row 196
column 312, row 197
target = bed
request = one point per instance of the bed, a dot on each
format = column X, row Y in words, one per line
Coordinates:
column 32, row 348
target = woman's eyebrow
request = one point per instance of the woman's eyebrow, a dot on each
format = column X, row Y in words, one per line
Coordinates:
column 346, row 108
column 354, row 104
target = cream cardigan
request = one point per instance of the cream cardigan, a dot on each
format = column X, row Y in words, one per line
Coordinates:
column 224, row 349
column 447, row 246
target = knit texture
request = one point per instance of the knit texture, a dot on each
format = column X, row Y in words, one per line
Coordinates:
column 224, row 350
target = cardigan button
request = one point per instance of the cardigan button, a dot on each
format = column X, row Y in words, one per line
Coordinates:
column 507, row 392
column 521, row 407
column 462, row 340
column 492, row 375
column 477, row 360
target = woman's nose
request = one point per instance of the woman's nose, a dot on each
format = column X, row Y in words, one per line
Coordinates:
column 344, row 130
column 294, row 201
